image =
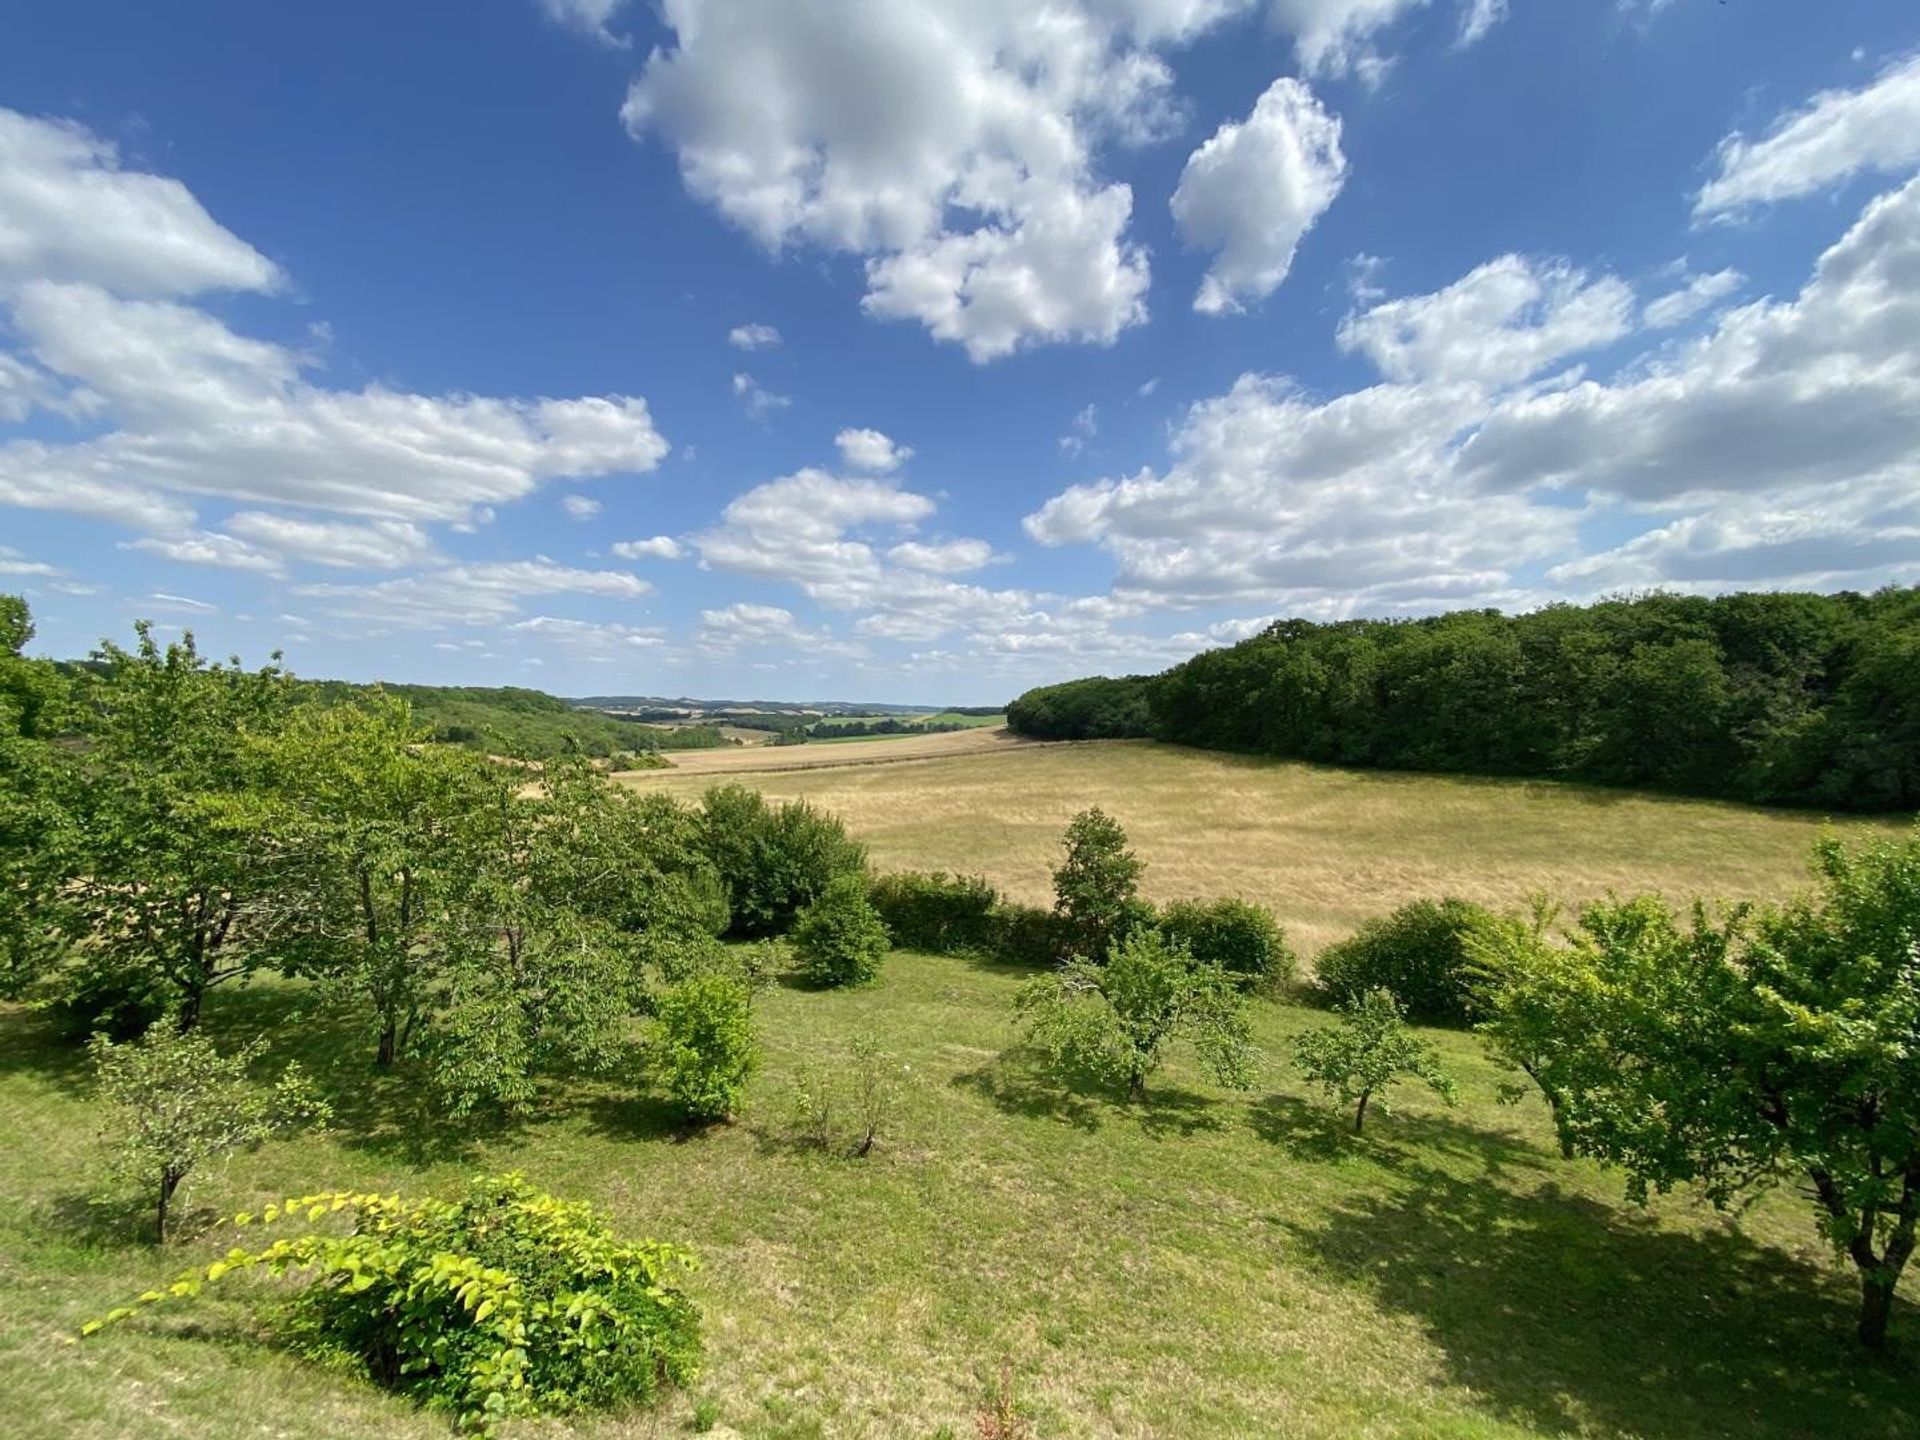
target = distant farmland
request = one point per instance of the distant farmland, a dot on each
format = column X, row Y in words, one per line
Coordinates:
column 1325, row 848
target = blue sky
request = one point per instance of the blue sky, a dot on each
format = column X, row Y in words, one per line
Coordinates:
column 928, row 349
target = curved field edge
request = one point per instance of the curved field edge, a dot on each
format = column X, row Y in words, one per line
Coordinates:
column 1324, row 848
column 1203, row 1264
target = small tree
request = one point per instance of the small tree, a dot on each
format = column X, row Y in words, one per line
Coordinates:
column 874, row 1090
column 704, row 1047
column 1095, row 888
column 840, row 938
column 1117, row 1019
column 1367, row 1051
column 178, row 1102
column 1737, row 1052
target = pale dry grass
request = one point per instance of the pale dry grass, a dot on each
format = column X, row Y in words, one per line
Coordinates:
column 1324, row 848
column 891, row 749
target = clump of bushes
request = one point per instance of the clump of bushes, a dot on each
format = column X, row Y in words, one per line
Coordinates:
column 1420, row 954
column 938, row 913
column 703, row 1046
column 1241, row 938
column 774, row 860
column 505, row 1302
column 840, row 938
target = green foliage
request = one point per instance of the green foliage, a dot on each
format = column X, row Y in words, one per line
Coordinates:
column 1241, row 938
column 773, row 860
column 1781, row 698
column 1116, row 1020
column 1095, row 709
column 1367, row 1051
column 177, row 1102
column 937, row 913
column 840, row 938
column 703, row 1047
column 1730, row 1052
column 380, row 830
column 1028, row 935
column 1094, row 890
column 170, row 883
column 504, row 1303
column 510, row 720
column 1420, row 954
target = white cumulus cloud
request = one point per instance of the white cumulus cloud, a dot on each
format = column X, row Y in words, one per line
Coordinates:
column 1254, row 189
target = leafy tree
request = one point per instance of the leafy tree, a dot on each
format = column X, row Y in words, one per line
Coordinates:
column 875, row 1090
column 1734, row 1053
column 172, row 889
column 1243, row 939
column 774, row 860
column 36, row 837
column 378, row 821
column 840, row 938
column 178, row 1102
column 1116, row 1020
column 704, row 1048
column 528, row 983
column 1365, row 1052
column 505, row 1302
column 1095, row 888
column 1421, row 954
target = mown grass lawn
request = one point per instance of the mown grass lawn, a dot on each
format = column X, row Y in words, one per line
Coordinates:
column 1203, row 1264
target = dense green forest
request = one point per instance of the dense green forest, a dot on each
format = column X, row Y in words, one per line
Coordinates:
column 1779, row 698
column 509, row 720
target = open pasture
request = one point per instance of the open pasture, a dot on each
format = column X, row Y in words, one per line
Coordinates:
column 1325, row 849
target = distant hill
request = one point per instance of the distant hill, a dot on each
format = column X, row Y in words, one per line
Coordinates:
column 688, row 706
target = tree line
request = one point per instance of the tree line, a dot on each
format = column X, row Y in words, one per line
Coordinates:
column 1778, row 698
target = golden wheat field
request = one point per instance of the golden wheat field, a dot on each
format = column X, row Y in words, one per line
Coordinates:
column 1324, row 848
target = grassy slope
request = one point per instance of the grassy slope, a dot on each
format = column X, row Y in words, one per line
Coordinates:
column 1325, row 848
column 1200, row 1265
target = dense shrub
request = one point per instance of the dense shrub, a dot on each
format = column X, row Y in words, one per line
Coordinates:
column 774, row 860
column 1027, row 935
column 505, row 1302
column 840, row 938
column 703, row 1046
column 1243, row 939
column 937, row 913
column 1419, row 954
column 1782, row 698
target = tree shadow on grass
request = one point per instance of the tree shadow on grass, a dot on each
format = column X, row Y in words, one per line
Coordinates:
column 643, row 1116
column 1021, row 1082
column 1569, row 1316
column 392, row 1113
column 1322, row 1133
column 31, row 1043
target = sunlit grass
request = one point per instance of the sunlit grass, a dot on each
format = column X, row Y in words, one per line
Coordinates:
column 1203, row 1264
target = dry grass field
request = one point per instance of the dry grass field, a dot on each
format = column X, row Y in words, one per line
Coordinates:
column 1324, row 848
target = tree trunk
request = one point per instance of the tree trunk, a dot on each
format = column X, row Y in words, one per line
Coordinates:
column 1360, row 1115
column 1137, row 1086
column 389, row 1043
column 190, row 1000
column 866, row 1145
column 169, row 1182
column 1876, row 1307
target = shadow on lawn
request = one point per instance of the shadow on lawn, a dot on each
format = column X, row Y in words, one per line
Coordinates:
column 1321, row 1133
column 1020, row 1082
column 1569, row 1316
